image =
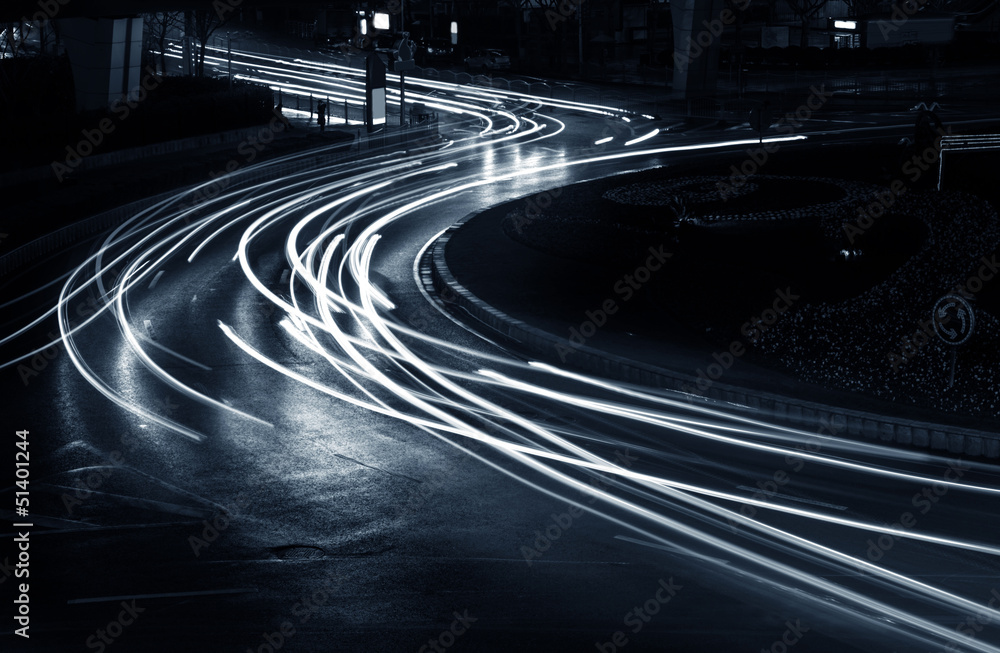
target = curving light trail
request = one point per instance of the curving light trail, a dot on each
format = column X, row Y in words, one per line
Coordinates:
column 333, row 225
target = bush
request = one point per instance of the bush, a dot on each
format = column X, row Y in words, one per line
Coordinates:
column 40, row 104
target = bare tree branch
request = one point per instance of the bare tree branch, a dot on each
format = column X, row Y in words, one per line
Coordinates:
column 806, row 10
column 205, row 23
column 159, row 26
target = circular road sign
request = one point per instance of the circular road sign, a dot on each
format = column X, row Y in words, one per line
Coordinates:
column 953, row 319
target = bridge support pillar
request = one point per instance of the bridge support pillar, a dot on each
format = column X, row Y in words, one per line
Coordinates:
column 697, row 30
column 106, row 56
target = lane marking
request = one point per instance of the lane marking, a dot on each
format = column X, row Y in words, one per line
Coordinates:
column 171, row 595
column 152, row 284
column 671, row 549
column 791, row 498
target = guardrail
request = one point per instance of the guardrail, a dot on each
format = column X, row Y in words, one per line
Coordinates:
column 966, row 144
column 567, row 92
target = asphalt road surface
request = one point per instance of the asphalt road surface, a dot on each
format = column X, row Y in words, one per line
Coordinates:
column 258, row 431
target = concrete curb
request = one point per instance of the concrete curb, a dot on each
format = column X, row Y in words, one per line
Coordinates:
column 844, row 422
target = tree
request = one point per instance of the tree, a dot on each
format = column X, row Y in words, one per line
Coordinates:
column 13, row 36
column 806, row 10
column 772, row 12
column 860, row 8
column 158, row 26
column 204, row 23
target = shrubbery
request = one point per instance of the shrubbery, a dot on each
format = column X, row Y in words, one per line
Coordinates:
column 39, row 109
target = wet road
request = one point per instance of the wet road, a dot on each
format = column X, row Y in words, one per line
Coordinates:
column 261, row 432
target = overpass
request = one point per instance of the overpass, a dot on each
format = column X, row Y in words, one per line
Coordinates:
column 14, row 9
column 104, row 38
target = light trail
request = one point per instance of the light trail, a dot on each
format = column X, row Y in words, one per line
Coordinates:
column 333, row 226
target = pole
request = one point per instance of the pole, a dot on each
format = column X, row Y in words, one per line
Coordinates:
column 579, row 21
column 402, row 98
column 229, row 49
column 954, row 356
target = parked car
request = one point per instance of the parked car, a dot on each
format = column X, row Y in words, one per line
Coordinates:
column 435, row 51
column 488, row 60
column 337, row 44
